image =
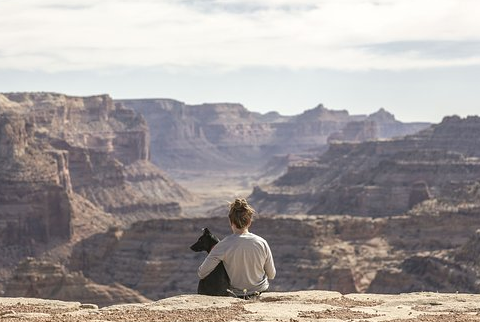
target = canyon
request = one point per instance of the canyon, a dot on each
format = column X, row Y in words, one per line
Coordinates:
column 379, row 178
column 228, row 137
column 100, row 148
column 342, row 253
column 100, row 199
column 70, row 167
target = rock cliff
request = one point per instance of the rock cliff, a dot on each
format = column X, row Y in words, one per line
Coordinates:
column 43, row 279
column 444, row 271
column 35, row 202
column 71, row 167
column 73, row 170
column 378, row 178
column 228, row 136
column 101, row 149
column 341, row 253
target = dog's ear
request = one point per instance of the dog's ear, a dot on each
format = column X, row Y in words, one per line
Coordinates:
column 206, row 231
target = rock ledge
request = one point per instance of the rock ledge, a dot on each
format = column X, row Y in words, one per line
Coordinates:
column 288, row 306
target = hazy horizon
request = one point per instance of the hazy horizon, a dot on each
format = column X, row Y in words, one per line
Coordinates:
column 418, row 59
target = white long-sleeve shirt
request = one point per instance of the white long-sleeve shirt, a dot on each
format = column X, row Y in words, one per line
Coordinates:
column 247, row 259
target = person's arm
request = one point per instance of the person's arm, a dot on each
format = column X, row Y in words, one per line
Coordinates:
column 269, row 264
column 209, row 264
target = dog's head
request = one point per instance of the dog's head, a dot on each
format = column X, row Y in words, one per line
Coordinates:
column 205, row 242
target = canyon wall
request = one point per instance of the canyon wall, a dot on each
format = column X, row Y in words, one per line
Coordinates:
column 433, row 248
column 229, row 137
column 35, row 203
column 79, row 193
column 102, row 152
column 71, row 167
column 342, row 253
column 43, row 279
column 378, row 178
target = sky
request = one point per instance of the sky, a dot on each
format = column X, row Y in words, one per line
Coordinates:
column 418, row 59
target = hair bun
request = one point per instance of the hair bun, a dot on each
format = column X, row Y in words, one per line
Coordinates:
column 239, row 204
column 241, row 213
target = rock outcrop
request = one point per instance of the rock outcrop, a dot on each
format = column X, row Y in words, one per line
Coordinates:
column 71, row 167
column 341, row 253
column 35, row 202
column 43, row 279
column 228, row 136
column 275, row 306
column 378, row 178
column 73, row 170
column 443, row 271
column 101, row 149
column 154, row 258
column 93, row 122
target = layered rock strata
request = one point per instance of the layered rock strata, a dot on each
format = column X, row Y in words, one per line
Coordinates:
column 35, row 202
column 96, row 144
column 43, row 279
column 455, row 271
column 228, row 136
column 378, row 178
column 68, row 167
column 342, row 253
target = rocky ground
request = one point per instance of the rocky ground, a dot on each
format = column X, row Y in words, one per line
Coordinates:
column 289, row 307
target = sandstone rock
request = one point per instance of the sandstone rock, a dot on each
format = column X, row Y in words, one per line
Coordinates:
column 356, row 132
column 377, row 178
column 153, row 257
column 379, row 125
column 90, row 155
column 35, row 202
column 64, row 163
column 229, row 137
column 341, row 280
column 42, row 279
column 426, row 273
column 275, row 306
column 470, row 252
column 389, row 127
column 419, row 193
column 341, row 253
column 93, row 141
column 14, row 136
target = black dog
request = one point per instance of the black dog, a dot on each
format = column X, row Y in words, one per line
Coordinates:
column 217, row 282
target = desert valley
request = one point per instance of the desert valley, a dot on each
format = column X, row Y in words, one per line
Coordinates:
column 100, row 200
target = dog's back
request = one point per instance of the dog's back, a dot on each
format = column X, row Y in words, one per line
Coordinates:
column 217, row 282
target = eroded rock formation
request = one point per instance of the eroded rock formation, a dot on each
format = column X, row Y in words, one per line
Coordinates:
column 228, row 136
column 43, row 279
column 35, row 202
column 378, row 178
column 71, row 167
column 74, row 169
column 101, row 150
column 342, row 253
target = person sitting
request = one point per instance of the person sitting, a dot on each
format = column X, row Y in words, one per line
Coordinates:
column 247, row 257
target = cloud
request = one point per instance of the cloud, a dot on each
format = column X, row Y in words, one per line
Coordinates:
column 248, row 6
column 429, row 49
column 68, row 35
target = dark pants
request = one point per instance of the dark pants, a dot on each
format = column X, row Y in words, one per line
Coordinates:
column 252, row 296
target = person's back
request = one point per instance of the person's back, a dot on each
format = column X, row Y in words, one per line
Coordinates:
column 247, row 257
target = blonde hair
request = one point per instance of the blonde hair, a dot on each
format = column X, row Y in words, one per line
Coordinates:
column 241, row 213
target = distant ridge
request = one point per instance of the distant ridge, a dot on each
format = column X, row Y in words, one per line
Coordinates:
column 226, row 136
column 379, row 178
